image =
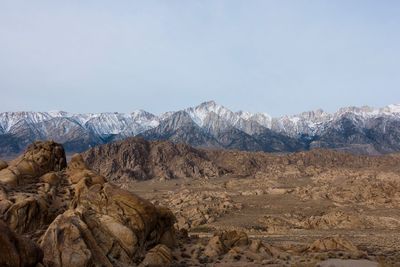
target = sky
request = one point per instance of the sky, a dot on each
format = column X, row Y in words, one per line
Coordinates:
column 281, row 57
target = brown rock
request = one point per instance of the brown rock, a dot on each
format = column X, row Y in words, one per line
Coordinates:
column 106, row 226
column 215, row 247
column 40, row 157
column 31, row 195
column 3, row 164
column 234, row 238
column 27, row 214
column 160, row 256
column 77, row 217
column 16, row 250
column 333, row 244
column 51, row 178
column 69, row 242
column 136, row 158
column 221, row 242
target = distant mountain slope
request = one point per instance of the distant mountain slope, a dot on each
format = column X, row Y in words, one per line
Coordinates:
column 136, row 158
column 180, row 128
column 355, row 129
column 139, row 159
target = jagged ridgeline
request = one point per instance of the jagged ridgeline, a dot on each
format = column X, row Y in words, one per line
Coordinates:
column 138, row 159
column 362, row 130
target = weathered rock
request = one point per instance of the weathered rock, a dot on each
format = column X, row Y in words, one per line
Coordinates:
column 221, row 242
column 107, row 225
column 30, row 197
column 16, row 250
column 3, row 164
column 69, row 242
column 159, row 256
column 39, row 158
column 136, row 158
column 333, row 244
column 196, row 208
column 27, row 214
column 234, row 238
column 215, row 247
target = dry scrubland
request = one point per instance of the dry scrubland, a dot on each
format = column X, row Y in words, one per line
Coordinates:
column 203, row 207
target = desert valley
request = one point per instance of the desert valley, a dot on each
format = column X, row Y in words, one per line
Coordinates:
column 157, row 203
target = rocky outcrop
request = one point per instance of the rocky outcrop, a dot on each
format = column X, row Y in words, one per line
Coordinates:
column 76, row 217
column 333, row 244
column 31, row 190
column 221, row 242
column 40, row 158
column 160, row 255
column 136, row 158
column 193, row 209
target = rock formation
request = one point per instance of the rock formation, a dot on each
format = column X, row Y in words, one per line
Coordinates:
column 40, row 158
column 76, row 217
column 136, row 158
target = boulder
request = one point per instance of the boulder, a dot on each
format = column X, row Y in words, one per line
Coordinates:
column 215, row 247
column 159, row 256
column 106, row 225
column 333, row 244
column 40, row 158
column 221, row 242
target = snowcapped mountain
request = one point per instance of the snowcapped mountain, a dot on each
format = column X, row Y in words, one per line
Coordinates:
column 76, row 131
column 358, row 129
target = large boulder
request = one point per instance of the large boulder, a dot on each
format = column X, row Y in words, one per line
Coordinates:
column 105, row 225
column 30, row 195
column 76, row 217
column 39, row 158
column 159, row 256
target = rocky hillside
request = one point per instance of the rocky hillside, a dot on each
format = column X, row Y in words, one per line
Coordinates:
column 362, row 130
column 138, row 159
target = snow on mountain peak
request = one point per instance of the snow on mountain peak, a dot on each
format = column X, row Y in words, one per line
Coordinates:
column 393, row 108
column 244, row 114
column 58, row 113
column 207, row 114
column 200, row 112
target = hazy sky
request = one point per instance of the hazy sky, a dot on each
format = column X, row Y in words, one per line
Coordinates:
column 280, row 57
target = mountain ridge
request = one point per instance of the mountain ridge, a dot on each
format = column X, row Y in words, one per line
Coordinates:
column 375, row 130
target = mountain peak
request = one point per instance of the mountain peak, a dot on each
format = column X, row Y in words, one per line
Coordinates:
column 210, row 103
column 202, row 111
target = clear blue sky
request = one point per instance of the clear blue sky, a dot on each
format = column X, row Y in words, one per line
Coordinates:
column 280, row 57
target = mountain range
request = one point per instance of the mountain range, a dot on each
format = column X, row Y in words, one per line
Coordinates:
column 364, row 130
